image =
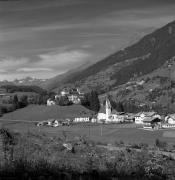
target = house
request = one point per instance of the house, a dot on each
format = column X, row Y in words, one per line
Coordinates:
column 57, row 96
column 74, row 99
column 117, row 117
column 64, row 92
column 152, row 123
column 140, row 82
column 129, row 118
column 94, row 120
column 139, row 117
column 83, row 116
column 50, row 102
column 170, row 119
column 74, row 95
column 168, row 126
column 55, row 123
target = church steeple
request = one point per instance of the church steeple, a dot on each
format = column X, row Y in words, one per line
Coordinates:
column 108, row 109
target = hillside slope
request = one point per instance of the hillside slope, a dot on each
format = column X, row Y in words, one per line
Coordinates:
column 150, row 53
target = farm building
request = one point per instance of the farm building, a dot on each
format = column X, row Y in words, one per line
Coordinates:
column 82, row 119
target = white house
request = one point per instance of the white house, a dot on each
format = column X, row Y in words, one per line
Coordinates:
column 50, row 102
column 64, row 92
column 139, row 117
column 74, row 99
column 170, row 119
column 117, row 117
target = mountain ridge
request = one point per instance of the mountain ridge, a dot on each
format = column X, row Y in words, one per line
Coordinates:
column 144, row 56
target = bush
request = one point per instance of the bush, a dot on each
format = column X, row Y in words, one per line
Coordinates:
column 161, row 144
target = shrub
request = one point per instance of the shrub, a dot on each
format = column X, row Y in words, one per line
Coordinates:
column 161, row 144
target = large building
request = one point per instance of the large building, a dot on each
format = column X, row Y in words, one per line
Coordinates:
column 139, row 117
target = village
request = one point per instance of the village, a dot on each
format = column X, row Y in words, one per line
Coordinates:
column 107, row 115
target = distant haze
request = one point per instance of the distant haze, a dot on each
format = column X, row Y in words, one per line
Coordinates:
column 44, row 38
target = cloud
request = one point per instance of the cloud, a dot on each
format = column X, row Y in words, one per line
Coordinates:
column 63, row 60
column 25, row 69
column 2, row 71
column 45, row 65
column 7, row 64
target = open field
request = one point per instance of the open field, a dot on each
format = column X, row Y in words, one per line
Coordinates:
column 111, row 133
column 24, row 120
column 43, row 112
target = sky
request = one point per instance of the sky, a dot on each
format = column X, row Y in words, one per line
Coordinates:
column 44, row 38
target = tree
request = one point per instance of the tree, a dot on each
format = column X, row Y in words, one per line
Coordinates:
column 23, row 101
column 160, row 144
column 15, row 101
column 94, row 101
column 91, row 101
column 120, row 107
column 63, row 101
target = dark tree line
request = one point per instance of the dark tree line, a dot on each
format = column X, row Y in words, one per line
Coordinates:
column 63, row 101
column 13, row 88
column 91, row 101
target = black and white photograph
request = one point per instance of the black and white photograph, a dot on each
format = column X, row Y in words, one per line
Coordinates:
column 87, row 89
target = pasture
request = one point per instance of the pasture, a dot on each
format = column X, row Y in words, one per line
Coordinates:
column 24, row 120
column 43, row 112
column 110, row 133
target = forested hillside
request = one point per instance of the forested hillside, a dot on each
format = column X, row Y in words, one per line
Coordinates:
column 150, row 53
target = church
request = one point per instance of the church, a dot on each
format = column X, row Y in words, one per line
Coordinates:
column 107, row 115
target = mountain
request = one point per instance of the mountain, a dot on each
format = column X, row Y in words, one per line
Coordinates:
column 28, row 81
column 56, row 81
column 141, row 58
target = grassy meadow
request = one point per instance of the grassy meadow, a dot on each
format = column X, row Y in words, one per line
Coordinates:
column 104, row 134
column 38, row 152
column 111, row 133
column 43, row 112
